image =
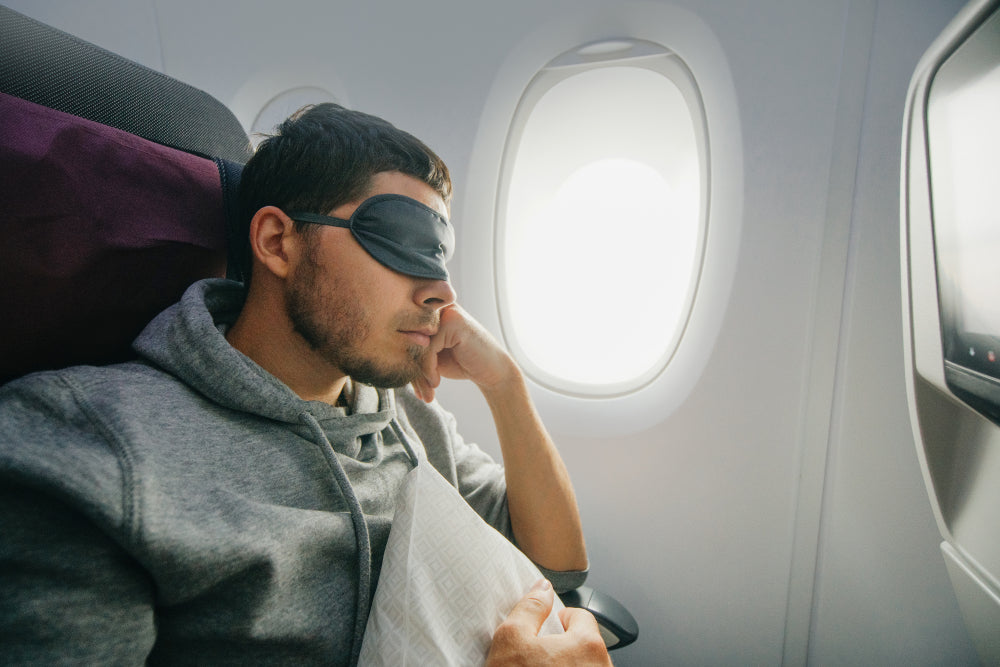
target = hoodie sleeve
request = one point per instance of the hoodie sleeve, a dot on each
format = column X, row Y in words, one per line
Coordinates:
column 72, row 593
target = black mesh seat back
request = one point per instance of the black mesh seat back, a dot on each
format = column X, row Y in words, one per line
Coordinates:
column 49, row 67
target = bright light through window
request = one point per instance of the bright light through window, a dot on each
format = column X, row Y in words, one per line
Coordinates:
column 594, row 277
column 601, row 229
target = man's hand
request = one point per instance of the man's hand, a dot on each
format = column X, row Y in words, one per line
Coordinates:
column 543, row 511
column 463, row 350
column 516, row 641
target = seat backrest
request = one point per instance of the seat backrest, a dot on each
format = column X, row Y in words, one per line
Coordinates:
column 54, row 69
column 118, row 192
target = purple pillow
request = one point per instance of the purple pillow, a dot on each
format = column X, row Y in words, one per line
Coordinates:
column 101, row 230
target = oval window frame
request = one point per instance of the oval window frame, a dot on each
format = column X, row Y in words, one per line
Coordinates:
column 282, row 105
column 623, row 52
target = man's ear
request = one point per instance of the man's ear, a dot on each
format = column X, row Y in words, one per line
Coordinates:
column 273, row 240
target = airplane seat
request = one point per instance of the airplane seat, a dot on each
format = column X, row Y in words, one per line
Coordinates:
column 77, row 125
column 44, row 65
column 119, row 192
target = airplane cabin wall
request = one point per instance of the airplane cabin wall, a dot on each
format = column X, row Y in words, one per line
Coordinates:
column 778, row 513
column 879, row 548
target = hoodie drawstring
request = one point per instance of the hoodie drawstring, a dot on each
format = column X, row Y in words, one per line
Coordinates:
column 357, row 514
column 360, row 533
column 403, row 440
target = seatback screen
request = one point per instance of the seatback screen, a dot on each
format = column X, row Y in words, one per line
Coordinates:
column 963, row 127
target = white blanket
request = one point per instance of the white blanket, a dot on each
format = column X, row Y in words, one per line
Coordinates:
column 448, row 580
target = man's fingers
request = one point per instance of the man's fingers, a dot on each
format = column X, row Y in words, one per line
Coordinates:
column 430, row 377
column 423, row 391
column 516, row 641
column 578, row 620
column 429, row 365
column 532, row 610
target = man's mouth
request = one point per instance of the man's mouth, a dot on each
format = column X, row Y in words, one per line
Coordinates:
column 420, row 337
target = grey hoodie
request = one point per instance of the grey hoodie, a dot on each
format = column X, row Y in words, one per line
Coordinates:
column 189, row 508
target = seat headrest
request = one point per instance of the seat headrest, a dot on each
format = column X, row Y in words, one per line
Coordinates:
column 47, row 66
column 102, row 229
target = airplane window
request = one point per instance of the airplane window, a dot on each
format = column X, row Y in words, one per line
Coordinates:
column 602, row 217
column 283, row 105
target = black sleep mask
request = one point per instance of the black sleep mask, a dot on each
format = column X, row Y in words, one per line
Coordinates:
column 399, row 232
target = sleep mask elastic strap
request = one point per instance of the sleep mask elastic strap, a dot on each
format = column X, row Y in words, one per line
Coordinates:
column 401, row 233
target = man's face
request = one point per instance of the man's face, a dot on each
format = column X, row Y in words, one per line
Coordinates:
column 368, row 321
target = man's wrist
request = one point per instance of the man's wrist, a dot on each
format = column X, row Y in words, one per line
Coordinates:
column 509, row 379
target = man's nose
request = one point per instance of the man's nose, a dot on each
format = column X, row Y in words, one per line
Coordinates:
column 435, row 294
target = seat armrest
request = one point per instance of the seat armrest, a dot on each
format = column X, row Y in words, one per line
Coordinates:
column 618, row 627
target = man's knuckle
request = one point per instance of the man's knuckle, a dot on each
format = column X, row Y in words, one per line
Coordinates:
column 535, row 605
column 506, row 632
column 594, row 645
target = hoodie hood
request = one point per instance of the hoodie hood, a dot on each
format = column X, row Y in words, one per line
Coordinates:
column 188, row 341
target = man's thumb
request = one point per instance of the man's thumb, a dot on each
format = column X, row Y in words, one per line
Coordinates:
column 532, row 610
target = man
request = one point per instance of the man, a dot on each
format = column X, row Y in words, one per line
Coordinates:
column 227, row 497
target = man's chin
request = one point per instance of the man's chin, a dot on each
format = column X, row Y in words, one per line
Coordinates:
column 381, row 376
column 386, row 379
